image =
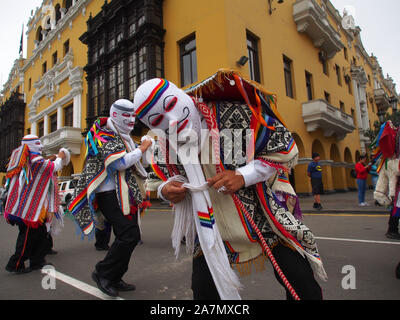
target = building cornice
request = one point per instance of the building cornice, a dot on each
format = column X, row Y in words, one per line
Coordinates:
column 52, row 35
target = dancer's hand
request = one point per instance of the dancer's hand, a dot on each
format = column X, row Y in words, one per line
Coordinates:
column 146, row 144
column 174, row 192
column 61, row 155
column 231, row 180
column 52, row 158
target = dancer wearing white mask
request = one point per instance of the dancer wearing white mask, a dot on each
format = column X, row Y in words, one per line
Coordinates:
column 230, row 212
column 32, row 202
column 111, row 187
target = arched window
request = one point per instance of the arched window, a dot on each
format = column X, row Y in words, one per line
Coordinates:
column 58, row 12
column 39, row 35
column 67, row 4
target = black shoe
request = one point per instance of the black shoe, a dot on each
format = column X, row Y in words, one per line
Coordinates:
column 104, row 248
column 104, row 285
column 19, row 270
column 315, row 205
column 318, row 207
column 52, row 252
column 393, row 235
column 123, row 286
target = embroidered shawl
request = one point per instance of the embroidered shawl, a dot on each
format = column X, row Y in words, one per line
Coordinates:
column 33, row 190
column 104, row 147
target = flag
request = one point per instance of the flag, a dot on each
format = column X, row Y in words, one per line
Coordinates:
column 21, row 46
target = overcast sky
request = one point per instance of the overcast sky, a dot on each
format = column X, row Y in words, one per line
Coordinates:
column 379, row 21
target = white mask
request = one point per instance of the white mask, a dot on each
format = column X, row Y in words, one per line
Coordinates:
column 122, row 114
column 160, row 104
column 34, row 144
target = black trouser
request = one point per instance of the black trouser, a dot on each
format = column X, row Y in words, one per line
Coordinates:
column 127, row 236
column 32, row 244
column 103, row 236
column 393, row 224
column 296, row 269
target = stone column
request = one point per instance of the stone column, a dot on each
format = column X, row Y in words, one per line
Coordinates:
column 60, row 119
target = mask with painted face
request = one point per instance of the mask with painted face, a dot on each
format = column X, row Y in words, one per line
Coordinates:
column 160, row 104
column 122, row 114
column 34, row 144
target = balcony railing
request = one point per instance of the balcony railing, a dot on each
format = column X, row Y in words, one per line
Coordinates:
column 311, row 20
column 320, row 114
column 66, row 137
column 382, row 99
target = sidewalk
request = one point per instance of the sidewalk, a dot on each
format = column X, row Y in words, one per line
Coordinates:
column 332, row 203
column 342, row 203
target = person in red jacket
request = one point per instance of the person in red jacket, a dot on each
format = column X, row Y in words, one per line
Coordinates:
column 362, row 170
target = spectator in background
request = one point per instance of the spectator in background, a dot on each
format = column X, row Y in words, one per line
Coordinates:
column 362, row 170
column 314, row 171
column 374, row 175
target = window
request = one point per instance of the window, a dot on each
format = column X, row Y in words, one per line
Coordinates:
column 132, row 75
column 111, row 41
column 345, row 53
column 44, row 68
column 327, row 97
column 30, row 84
column 67, row 4
column 55, row 58
column 58, row 12
column 111, row 84
column 95, row 95
column 353, row 115
column 39, row 34
column 66, row 47
column 158, row 62
column 348, row 82
column 41, row 129
column 142, row 65
column 28, row 131
column 68, row 116
column 188, row 61
column 287, row 67
column 120, row 80
column 254, row 64
column 354, row 61
column 53, row 122
column 309, row 86
column 338, row 75
column 342, row 106
column 325, row 67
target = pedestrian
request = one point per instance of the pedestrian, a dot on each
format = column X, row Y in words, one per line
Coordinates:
column 362, row 170
column 226, row 196
column 314, row 171
column 374, row 175
column 32, row 202
column 111, row 183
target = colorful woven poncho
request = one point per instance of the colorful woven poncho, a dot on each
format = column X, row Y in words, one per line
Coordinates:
column 33, row 190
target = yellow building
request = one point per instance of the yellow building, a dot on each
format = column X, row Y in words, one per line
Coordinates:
column 82, row 55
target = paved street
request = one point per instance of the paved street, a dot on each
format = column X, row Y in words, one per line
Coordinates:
column 344, row 239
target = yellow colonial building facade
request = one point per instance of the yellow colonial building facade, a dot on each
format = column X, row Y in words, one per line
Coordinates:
column 82, row 54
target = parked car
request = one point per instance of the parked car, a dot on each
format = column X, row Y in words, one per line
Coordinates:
column 67, row 191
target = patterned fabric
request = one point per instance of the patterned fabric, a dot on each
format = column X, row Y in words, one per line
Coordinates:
column 96, row 168
column 31, row 201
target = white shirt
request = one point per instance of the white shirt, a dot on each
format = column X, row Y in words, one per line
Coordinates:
column 122, row 164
